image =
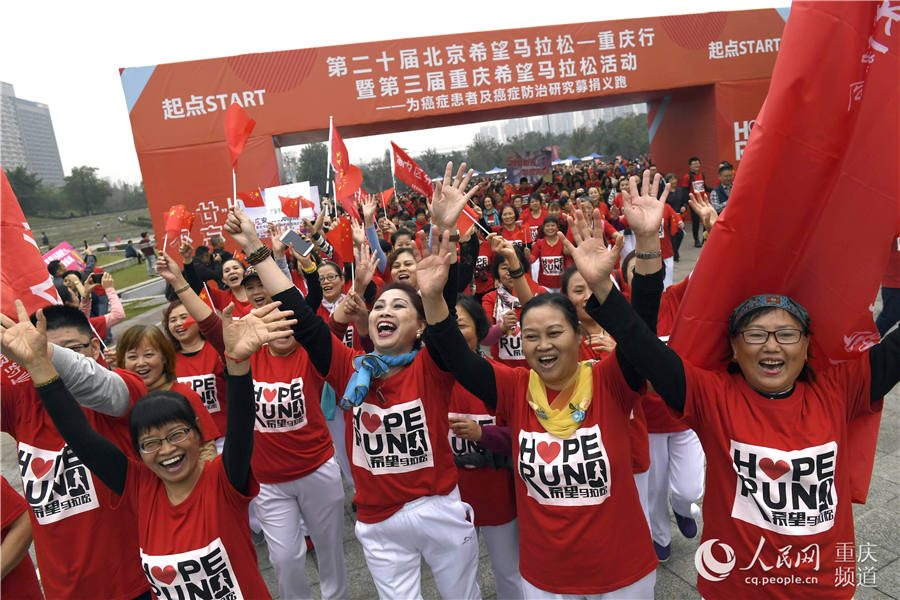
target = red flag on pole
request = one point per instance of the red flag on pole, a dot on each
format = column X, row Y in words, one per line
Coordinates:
column 340, row 160
column 252, row 199
column 237, row 129
column 341, row 238
column 386, row 196
column 290, row 206
column 23, row 273
column 179, row 218
column 407, row 171
column 838, row 64
column 466, row 218
column 346, row 185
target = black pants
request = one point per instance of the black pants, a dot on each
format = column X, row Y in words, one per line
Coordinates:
column 676, row 244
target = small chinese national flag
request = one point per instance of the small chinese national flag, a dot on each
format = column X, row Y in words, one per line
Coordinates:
column 341, row 238
column 466, row 218
column 386, row 196
column 179, row 218
column 290, row 206
column 407, row 171
column 252, row 199
column 237, row 129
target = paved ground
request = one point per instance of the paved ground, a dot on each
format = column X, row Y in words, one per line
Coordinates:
column 876, row 521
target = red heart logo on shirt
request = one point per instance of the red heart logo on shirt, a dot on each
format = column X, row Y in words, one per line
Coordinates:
column 269, row 395
column 548, row 451
column 39, row 466
column 166, row 575
column 371, row 421
column 774, row 469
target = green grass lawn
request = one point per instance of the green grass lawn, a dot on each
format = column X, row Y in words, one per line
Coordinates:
column 76, row 230
column 138, row 307
column 130, row 276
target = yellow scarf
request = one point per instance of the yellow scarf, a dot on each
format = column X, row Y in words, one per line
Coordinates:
column 567, row 412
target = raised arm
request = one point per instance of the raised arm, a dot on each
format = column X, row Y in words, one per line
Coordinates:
column 116, row 312
column 93, row 386
column 370, row 207
column 242, row 338
column 196, row 307
column 26, row 344
column 310, row 330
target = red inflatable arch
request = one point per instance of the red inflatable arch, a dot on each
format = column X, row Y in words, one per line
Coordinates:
column 704, row 76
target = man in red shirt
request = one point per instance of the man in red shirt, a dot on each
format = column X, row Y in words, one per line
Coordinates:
column 694, row 181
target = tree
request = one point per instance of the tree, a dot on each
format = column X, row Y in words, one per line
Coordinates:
column 310, row 165
column 34, row 197
column 86, row 191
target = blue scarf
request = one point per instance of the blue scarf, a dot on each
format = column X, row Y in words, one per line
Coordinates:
column 368, row 366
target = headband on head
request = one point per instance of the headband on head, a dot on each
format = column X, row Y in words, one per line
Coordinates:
column 767, row 301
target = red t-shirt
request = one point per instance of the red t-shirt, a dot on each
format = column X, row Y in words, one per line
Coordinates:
column 573, row 494
column 200, row 547
column 553, row 262
column 483, row 280
column 72, row 514
column 490, row 491
column 508, row 350
column 207, row 425
column 532, row 225
column 222, row 298
column 778, row 478
column 21, row 582
column 291, row 438
column 660, row 419
column 637, row 421
column 397, row 438
column 516, row 236
column 204, row 372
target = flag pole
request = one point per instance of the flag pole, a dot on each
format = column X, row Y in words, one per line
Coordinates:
column 97, row 335
column 234, row 185
column 328, row 158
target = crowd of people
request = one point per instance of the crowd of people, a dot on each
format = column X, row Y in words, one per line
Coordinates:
column 509, row 378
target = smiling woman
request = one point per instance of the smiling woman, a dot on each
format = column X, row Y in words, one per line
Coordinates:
column 204, row 502
column 408, row 504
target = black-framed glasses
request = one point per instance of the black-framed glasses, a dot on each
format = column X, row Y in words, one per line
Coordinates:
column 758, row 337
column 176, row 437
column 77, row 347
column 330, row 278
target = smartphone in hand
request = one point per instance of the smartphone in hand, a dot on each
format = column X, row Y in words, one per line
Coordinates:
column 290, row 237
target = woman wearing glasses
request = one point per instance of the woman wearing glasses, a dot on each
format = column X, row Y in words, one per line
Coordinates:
column 775, row 433
column 191, row 514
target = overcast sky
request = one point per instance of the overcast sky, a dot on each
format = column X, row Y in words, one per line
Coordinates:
column 67, row 54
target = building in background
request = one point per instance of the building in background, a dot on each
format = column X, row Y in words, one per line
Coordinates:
column 27, row 138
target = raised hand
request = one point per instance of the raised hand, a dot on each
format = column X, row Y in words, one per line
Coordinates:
column 242, row 230
column 370, row 207
column 387, row 227
column 702, row 206
column 593, row 259
column 186, row 252
column 275, row 232
column 109, row 355
column 107, row 280
column 644, row 213
column 450, row 197
column 246, row 335
column 359, row 233
column 432, row 270
column 23, row 342
column 167, row 269
column 366, row 263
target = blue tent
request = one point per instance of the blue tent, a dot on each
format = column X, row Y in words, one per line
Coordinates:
column 572, row 158
column 496, row 171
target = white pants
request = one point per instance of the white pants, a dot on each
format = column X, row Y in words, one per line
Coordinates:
column 676, row 464
column 337, row 429
column 318, row 500
column 641, row 482
column 436, row 528
column 669, row 264
column 642, row 589
column 503, row 550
